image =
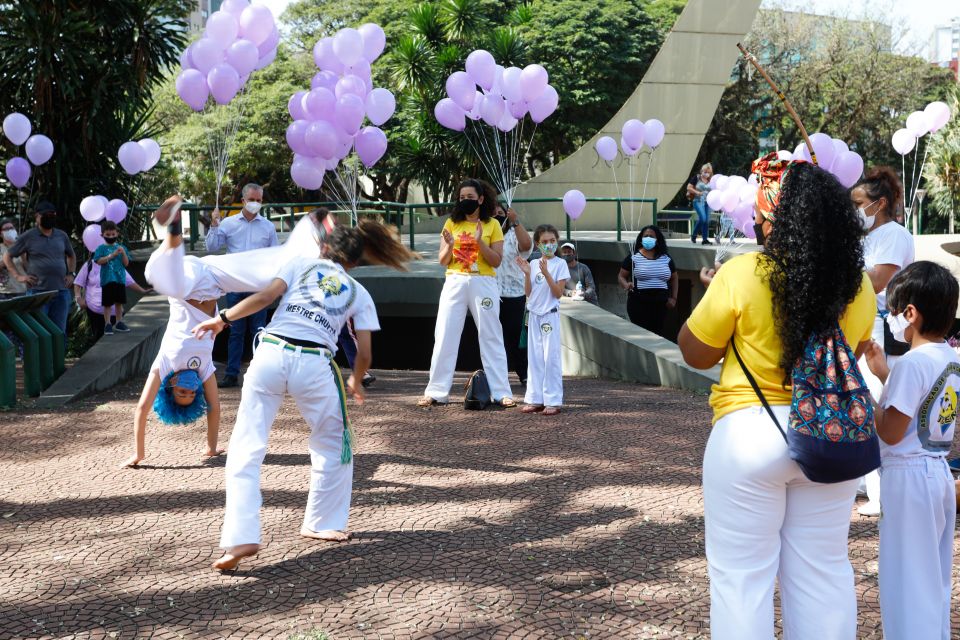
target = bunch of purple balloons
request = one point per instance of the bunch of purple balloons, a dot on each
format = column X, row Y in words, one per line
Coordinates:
column 97, row 208
column 38, row 148
column 239, row 39
column 735, row 196
column 833, row 155
column 633, row 137
column 328, row 119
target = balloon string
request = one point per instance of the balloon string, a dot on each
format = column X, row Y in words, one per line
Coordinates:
column 645, row 179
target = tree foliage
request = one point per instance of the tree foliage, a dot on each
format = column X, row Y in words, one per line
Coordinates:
column 83, row 72
column 942, row 171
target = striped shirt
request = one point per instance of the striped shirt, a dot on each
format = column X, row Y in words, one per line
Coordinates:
column 647, row 273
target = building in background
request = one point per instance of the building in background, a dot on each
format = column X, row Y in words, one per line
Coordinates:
column 198, row 17
column 945, row 46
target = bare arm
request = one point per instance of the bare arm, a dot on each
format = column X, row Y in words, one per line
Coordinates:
column 625, row 279
column 360, row 364
column 881, row 275
column 124, row 257
column 556, row 287
column 212, row 395
column 244, row 308
column 524, row 241
column 493, row 254
column 692, row 191
column 446, row 248
column 20, row 277
column 697, row 354
column 150, row 389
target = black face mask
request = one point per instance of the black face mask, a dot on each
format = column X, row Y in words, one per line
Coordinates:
column 570, row 258
column 466, row 207
column 109, row 240
column 48, row 221
column 758, row 229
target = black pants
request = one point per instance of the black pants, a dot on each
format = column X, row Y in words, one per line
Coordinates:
column 647, row 308
column 511, row 317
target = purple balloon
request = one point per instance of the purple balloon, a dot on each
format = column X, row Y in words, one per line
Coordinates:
column 606, row 148
column 481, row 67
column 349, row 113
column 266, row 60
column 544, row 106
column 132, row 157
column 324, row 56
column 269, row 44
column 351, row 84
column 234, row 7
column 450, row 115
column 507, row 122
column 321, row 139
column 206, row 54
column 224, row 82
column 295, row 106
column 242, row 55
column 511, row 85
column 517, row 109
column 633, row 133
column 185, row 61
column 39, row 149
column 823, row 147
column 348, row 45
column 295, row 136
column 256, row 23
column 574, row 202
column 320, row 104
column 116, row 210
column 325, row 80
column 627, row 149
column 462, row 90
column 533, row 82
column 715, row 200
column 492, row 108
column 307, row 173
column 801, row 152
column 192, row 89
column 747, row 229
column 371, row 144
column 848, row 167
column 380, row 105
column 18, row 172
column 653, row 133
column 374, row 40
column 222, row 28
column 92, row 237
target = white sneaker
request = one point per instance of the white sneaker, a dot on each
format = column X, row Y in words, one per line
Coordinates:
column 870, row 508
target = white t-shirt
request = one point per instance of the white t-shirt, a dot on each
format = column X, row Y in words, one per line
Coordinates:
column 179, row 349
column 320, row 298
column 924, row 383
column 509, row 276
column 888, row 244
column 541, row 299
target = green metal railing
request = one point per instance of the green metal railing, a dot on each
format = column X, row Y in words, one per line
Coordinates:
column 44, row 347
column 393, row 212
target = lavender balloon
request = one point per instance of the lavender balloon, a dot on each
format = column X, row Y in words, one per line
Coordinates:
column 633, row 133
column 481, row 67
column 243, row 56
column 348, row 45
column 17, row 128
column 374, row 40
column 324, row 80
column 222, row 28
column 321, row 139
column 380, row 106
column 192, row 89
column 270, row 44
column 823, row 148
column 320, row 104
column 351, row 84
column 256, row 23
column 507, row 122
column 533, row 82
column 306, row 174
column 450, row 115
column 653, row 133
column 131, row 157
column 295, row 136
column 295, row 106
column 574, row 202
column 116, row 210
column 848, row 167
column 903, row 141
column 92, row 237
column 39, row 149
column 224, row 82
column 206, row 54
column 606, row 148
column 939, row 114
column 492, row 108
column 511, row 85
column 151, row 153
column 544, row 106
column 371, row 144
column 461, row 90
column 92, row 209
column 234, row 7
column 349, row 113
column 324, row 56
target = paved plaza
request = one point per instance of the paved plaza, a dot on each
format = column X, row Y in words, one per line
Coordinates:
column 467, row 525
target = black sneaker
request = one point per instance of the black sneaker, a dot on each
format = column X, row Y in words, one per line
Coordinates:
column 228, row 381
column 706, row 242
column 108, row 330
column 368, row 379
column 121, row 327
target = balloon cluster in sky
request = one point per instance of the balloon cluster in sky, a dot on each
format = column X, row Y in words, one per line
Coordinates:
column 633, row 137
column 38, row 148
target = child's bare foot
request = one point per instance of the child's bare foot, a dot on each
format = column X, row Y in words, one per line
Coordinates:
column 132, row 461
column 169, row 211
column 330, row 535
column 231, row 559
column 213, row 453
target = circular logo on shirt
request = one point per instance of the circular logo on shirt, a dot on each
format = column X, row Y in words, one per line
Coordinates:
column 327, row 288
column 193, row 363
column 486, row 303
column 539, row 278
column 546, row 327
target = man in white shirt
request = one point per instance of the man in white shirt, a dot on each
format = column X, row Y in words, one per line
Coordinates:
column 244, row 232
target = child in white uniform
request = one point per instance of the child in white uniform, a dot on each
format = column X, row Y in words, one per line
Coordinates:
column 544, row 280
column 916, row 419
column 295, row 356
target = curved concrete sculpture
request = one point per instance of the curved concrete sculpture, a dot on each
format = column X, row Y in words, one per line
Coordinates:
column 682, row 88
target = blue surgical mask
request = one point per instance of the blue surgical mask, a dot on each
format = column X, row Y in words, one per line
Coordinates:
column 548, row 248
column 649, row 243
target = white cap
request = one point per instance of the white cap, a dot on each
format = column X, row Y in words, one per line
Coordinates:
column 568, row 244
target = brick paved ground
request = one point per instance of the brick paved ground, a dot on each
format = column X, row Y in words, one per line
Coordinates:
column 468, row 525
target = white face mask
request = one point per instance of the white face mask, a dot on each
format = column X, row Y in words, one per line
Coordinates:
column 867, row 221
column 253, row 207
column 10, row 235
column 898, row 326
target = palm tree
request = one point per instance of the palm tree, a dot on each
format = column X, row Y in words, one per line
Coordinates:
column 942, row 169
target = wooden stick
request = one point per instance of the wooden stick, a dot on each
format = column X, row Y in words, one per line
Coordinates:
column 786, row 103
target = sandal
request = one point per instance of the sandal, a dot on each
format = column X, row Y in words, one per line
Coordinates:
column 551, row 411
column 427, row 401
column 531, row 408
column 508, row 402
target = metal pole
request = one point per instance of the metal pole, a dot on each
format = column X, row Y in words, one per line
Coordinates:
column 568, row 228
column 412, row 231
column 619, row 220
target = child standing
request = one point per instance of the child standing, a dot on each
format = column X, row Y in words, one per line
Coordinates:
column 544, row 280
column 916, row 419
column 113, row 259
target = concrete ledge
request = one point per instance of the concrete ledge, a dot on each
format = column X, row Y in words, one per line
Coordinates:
column 597, row 343
column 113, row 359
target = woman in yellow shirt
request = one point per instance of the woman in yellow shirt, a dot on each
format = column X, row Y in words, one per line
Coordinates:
column 471, row 249
column 763, row 518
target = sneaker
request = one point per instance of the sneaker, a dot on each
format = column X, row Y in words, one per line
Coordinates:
column 869, row 509
column 228, row 381
column 368, row 379
column 108, row 330
column 121, row 327
column 705, row 241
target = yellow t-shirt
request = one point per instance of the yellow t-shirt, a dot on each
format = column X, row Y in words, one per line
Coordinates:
column 739, row 304
column 467, row 258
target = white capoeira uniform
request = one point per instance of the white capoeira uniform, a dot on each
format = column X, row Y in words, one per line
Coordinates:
column 179, row 348
column 320, row 299
column 544, row 361
column 917, row 496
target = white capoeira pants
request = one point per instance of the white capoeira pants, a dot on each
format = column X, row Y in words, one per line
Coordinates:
column 765, row 520
column 313, row 384
column 481, row 295
column 916, row 547
column 544, row 360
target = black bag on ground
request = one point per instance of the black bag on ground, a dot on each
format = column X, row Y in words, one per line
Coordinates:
column 477, row 396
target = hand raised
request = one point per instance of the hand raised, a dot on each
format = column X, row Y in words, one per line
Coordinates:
column 523, row 264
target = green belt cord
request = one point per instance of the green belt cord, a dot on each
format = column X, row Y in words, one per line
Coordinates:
column 346, row 452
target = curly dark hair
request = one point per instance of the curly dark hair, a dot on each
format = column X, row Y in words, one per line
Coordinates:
column 813, row 258
column 660, row 249
column 483, row 189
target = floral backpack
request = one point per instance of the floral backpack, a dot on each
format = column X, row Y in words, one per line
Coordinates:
column 831, row 434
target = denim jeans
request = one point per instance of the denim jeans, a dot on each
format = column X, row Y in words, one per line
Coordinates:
column 703, row 218
column 58, row 308
column 238, row 333
column 348, row 345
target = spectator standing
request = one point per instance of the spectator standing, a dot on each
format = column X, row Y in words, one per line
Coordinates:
column 579, row 274
column 244, row 232
column 697, row 190
column 51, row 263
column 89, row 296
column 10, row 286
column 513, row 301
column 651, row 280
column 112, row 259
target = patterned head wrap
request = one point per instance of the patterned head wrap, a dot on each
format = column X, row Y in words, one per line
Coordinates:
column 770, row 170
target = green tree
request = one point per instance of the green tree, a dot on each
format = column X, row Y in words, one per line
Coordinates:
column 942, row 171
column 84, row 72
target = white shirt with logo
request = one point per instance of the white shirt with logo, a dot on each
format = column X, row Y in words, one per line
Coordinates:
column 179, row 349
column 319, row 300
column 924, row 384
column 888, row 244
column 541, row 299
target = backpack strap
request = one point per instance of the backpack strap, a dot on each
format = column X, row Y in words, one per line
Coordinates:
column 756, row 389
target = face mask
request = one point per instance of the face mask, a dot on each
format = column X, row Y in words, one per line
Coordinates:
column 898, row 326
column 548, row 248
column 570, row 258
column 48, row 221
column 253, row 207
column 866, row 221
column 649, row 243
column 758, row 230
column 466, row 207
column 109, row 240
column 10, row 235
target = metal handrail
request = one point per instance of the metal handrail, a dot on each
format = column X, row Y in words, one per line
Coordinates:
column 44, row 347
